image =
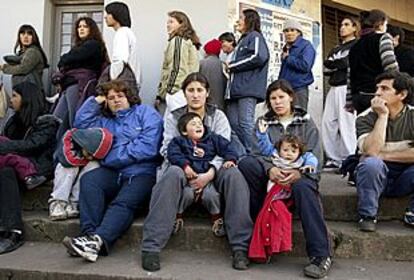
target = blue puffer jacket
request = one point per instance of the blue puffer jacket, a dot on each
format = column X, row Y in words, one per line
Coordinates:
column 249, row 67
column 137, row 136
column 297, row 66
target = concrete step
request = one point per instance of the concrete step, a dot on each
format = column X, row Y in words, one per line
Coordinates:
column 48, row 261
column 392, row 241
column 339, row 200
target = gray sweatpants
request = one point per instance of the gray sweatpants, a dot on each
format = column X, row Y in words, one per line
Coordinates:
column 67, row 179
column 165, row 201
column 210, row 199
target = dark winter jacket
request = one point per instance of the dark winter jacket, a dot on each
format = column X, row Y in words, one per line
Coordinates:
column 336, row 65
column 181, row 151
column 405, row 58
column 137, row 135
column 249, row 67
column 37, row 143
column 296, row 68
column 88, row 55
column 302, row 126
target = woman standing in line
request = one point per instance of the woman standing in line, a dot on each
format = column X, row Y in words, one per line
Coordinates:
column 248, row 77
column 30, row 59
column 180, row 59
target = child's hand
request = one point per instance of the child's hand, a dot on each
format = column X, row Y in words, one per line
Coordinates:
column 263, row 125
column 307, row 169
column 100, row 99
column 190, row 173
column 229, row 164
column 198, row 152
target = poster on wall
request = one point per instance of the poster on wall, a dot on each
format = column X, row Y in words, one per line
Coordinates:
column 272, row 19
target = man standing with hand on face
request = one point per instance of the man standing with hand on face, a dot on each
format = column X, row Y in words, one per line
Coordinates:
column 385, row 138
column 298, row 58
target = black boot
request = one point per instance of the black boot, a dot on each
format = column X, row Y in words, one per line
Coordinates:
column 150, row 261
column 10, row 242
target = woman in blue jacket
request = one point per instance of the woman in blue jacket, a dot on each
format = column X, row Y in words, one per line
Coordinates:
column 298, row 58
column 248, row 77
column 111, row 194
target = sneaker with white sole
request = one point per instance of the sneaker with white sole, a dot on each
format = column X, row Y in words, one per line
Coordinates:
column 318, row 267
column 57, row 210
column 72, row 210
column 409, row 218
column 87, row 246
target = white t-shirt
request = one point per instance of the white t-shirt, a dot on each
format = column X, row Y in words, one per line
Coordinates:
column 125, row 50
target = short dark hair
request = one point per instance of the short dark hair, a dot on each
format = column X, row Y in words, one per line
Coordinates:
column 120, row 13
column 396, row 30
column 401, row 81
column 228, row 37
column 252, row 20
column 294, row 140
column 184, row 120
column 372, row 19
column 119, row 86
column 282, row 85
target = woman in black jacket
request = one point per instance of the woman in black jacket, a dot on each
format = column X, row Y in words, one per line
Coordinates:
column 81, row 66
column 31, row 134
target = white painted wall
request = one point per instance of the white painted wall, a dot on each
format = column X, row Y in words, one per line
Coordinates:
column 149, row 18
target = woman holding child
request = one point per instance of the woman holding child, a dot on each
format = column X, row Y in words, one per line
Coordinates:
column 281, row 119
column 111, row 194
column 168, row 191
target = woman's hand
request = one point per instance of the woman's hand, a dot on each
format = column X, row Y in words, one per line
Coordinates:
column 202, row 180
column 100, row 99
column 190, row 173
column 276, row 174
column 291, row 176
column 229, row 164
column 263, row 125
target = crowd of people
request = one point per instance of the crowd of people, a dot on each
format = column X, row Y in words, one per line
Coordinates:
column 109, row 155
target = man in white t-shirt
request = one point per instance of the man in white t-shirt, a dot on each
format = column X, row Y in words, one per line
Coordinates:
column 124, row 47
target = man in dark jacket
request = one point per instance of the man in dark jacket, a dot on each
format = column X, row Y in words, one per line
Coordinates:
column 298, row 58
column 403, row 53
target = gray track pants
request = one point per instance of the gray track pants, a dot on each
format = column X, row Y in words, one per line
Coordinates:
column 165, row 200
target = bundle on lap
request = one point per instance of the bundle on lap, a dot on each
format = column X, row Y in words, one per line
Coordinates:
column 77, row 154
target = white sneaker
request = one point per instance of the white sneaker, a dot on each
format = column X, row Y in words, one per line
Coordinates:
column 72, row 210
column 57, row 210
column 87, row 246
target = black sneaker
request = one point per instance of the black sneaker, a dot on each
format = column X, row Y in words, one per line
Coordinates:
column 150, row 261
column 34, row 181
column 10, row 242
column 87, row 246
column 318, row 267
column 409, row 218
column 240, row 260
column 368, row 224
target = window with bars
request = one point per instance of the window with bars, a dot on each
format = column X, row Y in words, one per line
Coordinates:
column 67, row 22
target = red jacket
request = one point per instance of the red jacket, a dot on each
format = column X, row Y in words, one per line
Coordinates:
column 273, row 228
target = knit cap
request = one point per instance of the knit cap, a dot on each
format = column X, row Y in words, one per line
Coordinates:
column 213, row 47
column 292, row 24
column 96, row 141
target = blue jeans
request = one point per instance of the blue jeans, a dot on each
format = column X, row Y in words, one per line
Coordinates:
column 240, row 113
column 108, row 203
column 307, row 204
column 374, row 178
